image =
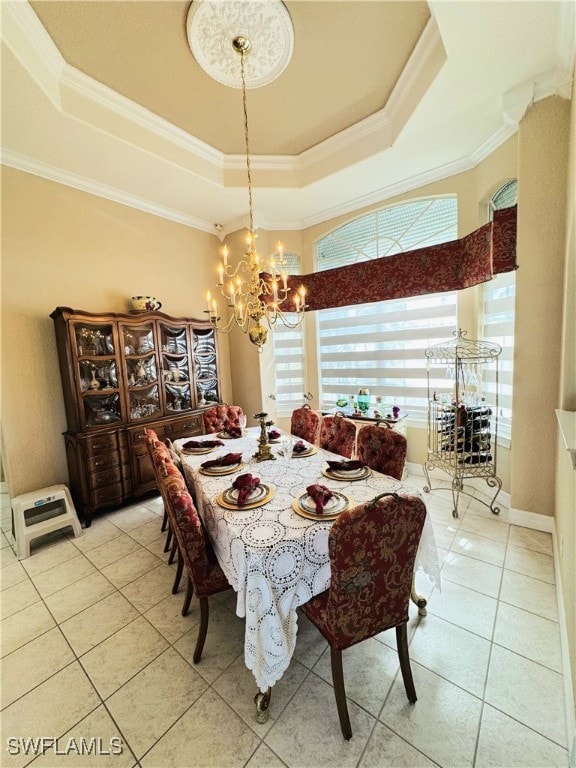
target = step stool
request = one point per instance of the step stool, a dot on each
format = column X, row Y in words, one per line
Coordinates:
column 39, row 512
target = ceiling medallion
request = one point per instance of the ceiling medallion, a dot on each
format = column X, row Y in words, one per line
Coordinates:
column 212, row 25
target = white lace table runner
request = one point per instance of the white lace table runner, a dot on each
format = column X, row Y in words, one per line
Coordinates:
column 274, row 559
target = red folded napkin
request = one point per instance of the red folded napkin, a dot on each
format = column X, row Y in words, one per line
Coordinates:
column 274, row 434
column 244, row 484
column 223, row 461
column 191, row 444
column 320, row 495
column 345, row 466
column 299, row 447
column 232, row 430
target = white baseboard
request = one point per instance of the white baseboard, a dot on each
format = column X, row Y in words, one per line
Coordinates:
column 531, row 520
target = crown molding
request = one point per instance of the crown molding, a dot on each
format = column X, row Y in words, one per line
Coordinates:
column 69, row 179
column 25, row 36
column 63, row 84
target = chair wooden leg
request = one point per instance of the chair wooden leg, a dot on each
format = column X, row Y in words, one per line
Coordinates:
column 340, row 692
column 164, row 521
column 204, row 614
column 173, row 550
column 168, row 539
column 188, row 598
column 402, row 643
column 179, row 569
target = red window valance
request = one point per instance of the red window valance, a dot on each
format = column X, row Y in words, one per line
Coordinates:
column 451, row 266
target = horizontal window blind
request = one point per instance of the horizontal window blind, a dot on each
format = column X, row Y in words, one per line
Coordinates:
column 289, row 357
column 498, row 322
column 498, row 326
column 381, row 345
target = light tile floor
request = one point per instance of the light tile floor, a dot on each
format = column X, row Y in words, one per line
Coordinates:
column 94, row 647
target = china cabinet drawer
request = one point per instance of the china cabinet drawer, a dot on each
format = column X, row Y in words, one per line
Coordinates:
column 105, row 477
column 190, row 426
column 105, row 461
column 101, row 444
column 137, row 435
column 108, row 495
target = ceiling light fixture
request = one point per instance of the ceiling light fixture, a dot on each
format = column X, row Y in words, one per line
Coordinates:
column 256, row 290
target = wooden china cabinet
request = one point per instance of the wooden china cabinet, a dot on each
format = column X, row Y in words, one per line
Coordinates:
column 120, row 374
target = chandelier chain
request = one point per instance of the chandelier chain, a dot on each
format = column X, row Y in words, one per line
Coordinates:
column 246, row 141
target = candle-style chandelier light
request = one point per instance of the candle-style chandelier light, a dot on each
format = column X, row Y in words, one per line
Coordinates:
column 256, row 290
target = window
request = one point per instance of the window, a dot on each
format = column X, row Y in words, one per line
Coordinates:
column 498, row 321
column 381, row 345
column 289, row 355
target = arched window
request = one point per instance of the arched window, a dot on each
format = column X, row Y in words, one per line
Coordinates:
column 381, row 345
column 497, row 322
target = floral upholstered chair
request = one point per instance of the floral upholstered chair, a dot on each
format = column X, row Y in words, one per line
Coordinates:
column 159, row 455
column 382, row 449
column 338, row 434
column 205, row 576
column 305, row 423
column 372, row 551
column 219, row 417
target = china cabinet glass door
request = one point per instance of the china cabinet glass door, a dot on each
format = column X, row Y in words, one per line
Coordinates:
column 97, row 380
column 141, row 371
column 175, row 368
column 205, row 366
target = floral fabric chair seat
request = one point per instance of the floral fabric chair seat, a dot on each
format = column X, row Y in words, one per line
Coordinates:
column 382, row 449
column 219, row 417
column 338, row 435
column 305, row 423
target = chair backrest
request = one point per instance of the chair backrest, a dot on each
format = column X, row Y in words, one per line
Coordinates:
column 338, row 434
column 217, row 418
column 383, row 449
column 372, row 551
column 305, row 423
column 195, row 548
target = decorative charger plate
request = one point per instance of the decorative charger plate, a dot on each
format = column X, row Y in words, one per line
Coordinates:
column 305, row 506
column 258, row 497
column 350, row 476
column 217, row 471
column 310, row 451
column 226, row 436
column 197, row 451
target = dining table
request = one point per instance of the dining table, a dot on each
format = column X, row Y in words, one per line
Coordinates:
column 274, row 549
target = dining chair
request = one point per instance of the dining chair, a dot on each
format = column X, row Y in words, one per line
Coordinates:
column 338, row 435
column 205, row 576
column 217, row 418
column 305, row 423
column 382, row 449
column 372, row 549
column 160, row 457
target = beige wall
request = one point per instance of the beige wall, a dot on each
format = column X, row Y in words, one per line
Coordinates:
column 565, row 501
column 65, row 247
column 542, row 167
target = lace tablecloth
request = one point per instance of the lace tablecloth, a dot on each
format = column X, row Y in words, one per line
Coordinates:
column 274, row 559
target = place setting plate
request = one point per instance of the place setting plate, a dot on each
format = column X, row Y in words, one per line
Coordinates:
column 198, row 451
column 310, row 451
column 220, row 471
column 347, row 475
column 226, row 436
column 256, row 498
column 305, row 506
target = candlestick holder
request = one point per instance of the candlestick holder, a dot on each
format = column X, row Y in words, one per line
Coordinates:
column 264, row 452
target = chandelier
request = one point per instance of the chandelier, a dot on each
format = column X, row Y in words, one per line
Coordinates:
column 257, row 292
